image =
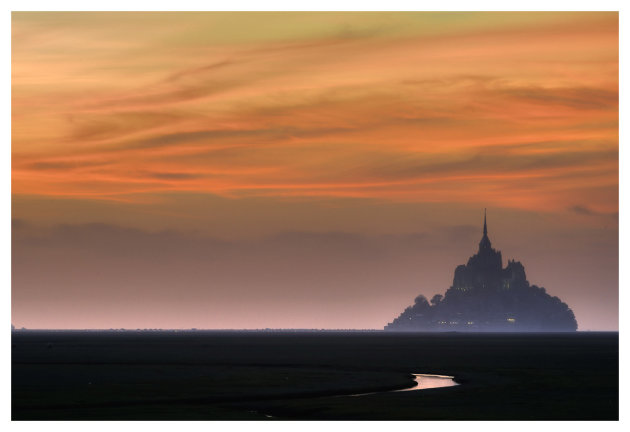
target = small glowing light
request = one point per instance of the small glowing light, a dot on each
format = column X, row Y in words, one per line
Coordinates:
column 511, row 320
column 470, row 322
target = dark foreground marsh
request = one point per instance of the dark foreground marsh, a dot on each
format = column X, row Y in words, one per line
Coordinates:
column 201, row 375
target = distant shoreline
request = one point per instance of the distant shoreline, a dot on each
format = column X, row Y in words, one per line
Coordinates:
column 371, row 331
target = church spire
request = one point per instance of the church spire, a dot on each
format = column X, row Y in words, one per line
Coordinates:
column 485, row 244
column 485, row 227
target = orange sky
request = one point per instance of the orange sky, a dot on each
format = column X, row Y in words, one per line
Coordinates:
column 126, row 118
column 105, row 108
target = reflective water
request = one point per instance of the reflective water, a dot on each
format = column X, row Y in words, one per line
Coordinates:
column 428, row 381
column 424, row 381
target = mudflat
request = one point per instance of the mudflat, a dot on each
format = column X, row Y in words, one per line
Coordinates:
column 241, row 375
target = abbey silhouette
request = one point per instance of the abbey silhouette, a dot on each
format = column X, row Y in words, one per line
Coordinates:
column 487, row 297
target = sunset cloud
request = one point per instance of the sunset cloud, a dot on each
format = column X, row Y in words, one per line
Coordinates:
column 346, row 111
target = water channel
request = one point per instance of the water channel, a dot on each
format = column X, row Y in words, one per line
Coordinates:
column 424, row 381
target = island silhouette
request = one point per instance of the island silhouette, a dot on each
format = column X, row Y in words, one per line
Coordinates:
column 487, row 297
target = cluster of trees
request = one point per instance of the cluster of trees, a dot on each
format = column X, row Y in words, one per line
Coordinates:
column 525, row 308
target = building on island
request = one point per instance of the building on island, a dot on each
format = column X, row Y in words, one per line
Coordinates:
column 485, row 296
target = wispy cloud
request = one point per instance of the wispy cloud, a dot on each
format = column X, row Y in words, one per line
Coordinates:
column 351, row 106
column 586, row 211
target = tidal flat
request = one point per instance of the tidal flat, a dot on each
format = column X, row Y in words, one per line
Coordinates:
column 313, row 375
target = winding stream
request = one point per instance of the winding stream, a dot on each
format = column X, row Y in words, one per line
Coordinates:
column 424, row 381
